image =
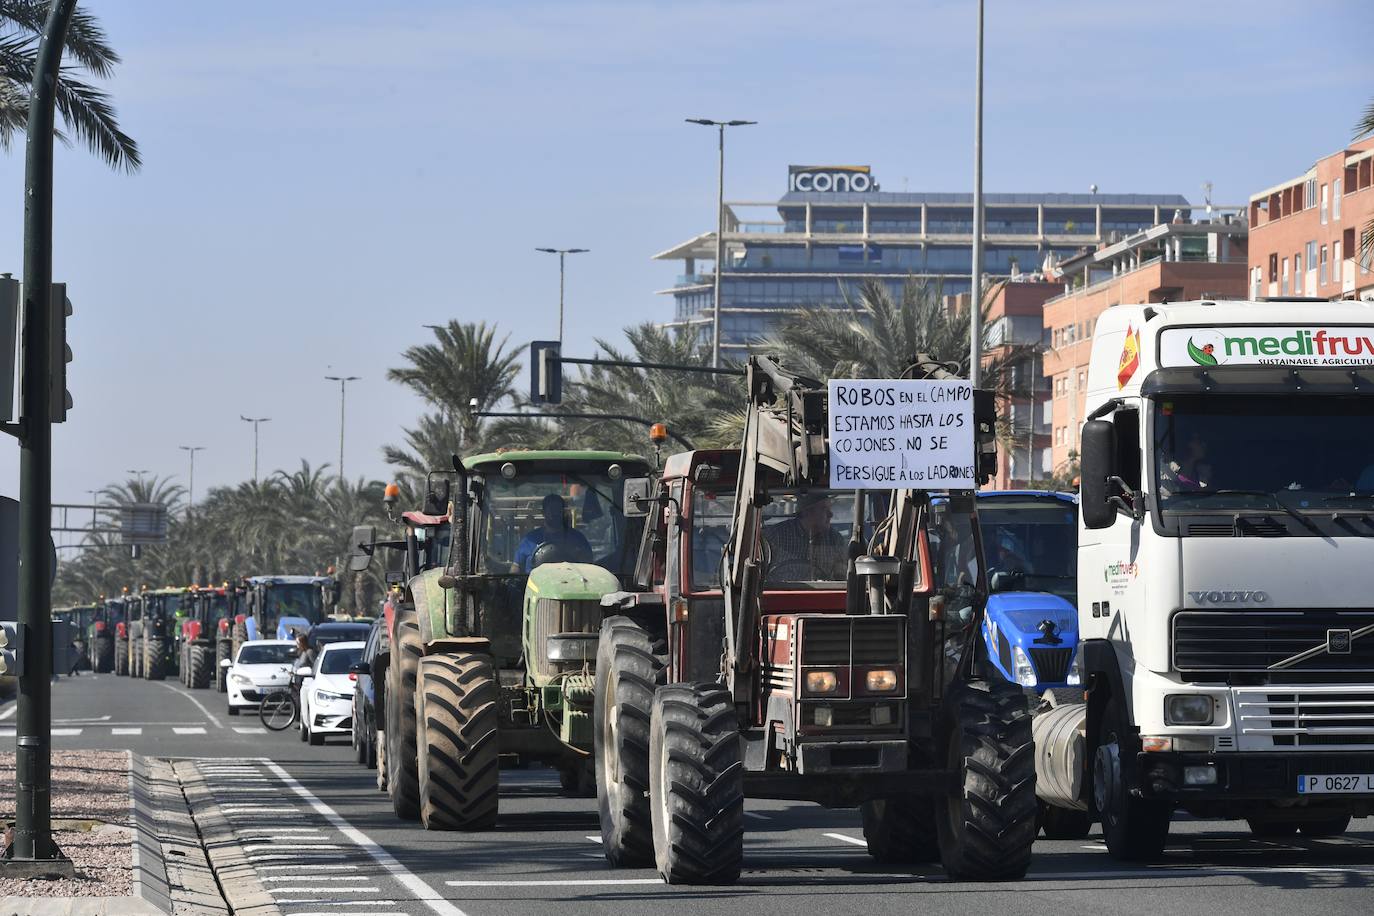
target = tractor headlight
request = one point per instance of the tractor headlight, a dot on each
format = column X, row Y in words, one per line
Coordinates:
column 1075, row 676
column 572, row 647
column 883, row 680
column 1188, row 709
column 822, row 682
column 1021, row 668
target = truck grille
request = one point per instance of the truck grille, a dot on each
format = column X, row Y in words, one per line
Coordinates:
column 1334, row 718
column 1051, row 664
column 1257, row 640
column 865, row 640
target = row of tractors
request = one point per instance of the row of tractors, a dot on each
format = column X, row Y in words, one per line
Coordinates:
column 188, row 631
column 675, row 639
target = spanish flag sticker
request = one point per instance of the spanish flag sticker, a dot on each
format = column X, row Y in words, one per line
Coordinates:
column 1130, row 358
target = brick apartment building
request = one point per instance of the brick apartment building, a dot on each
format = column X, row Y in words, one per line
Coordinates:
column 1166, row 263
column 1305, row 234
column 1015, row 320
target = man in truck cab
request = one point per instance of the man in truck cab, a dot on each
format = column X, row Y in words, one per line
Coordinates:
column 569, row 543
column 805, row 547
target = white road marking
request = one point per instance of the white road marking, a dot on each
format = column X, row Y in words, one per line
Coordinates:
column 311, row 867
column 326, row 889
column 594, row 839
column 66, row 732
column 199, row 705
column 328, row 902
column 402, row 875
column 846, row 839
column 316, row 877
column 253, row 847
column 288, row 830
column 1094, row 848
column 245, row 810
column 126, row 731
column 6, row 713
column 250, row 730
column 190, row 730
column 332, row 913
column 757, row 815
column 87, row 720
column 599, row 882
column 297, row 857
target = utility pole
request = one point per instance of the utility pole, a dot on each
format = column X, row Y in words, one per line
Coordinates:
column 343, row 381
column 255, row 421
column 191, row 450
column 975, row 367
column 561, row 252
column 720, row 225
column 33, row 845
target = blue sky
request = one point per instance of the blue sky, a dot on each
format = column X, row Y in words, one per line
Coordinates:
column 323, row 178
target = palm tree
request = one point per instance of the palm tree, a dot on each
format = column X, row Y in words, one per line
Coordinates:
column 86, row 111
column 465, row 372
column 1366, row 123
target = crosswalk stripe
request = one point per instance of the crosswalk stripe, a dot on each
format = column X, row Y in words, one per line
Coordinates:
column 66, row 732
column 193, row 730
column 250, row 730
column 126, row 731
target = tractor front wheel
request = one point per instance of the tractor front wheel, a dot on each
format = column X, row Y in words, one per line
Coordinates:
column 402, row 775
column 459, row 767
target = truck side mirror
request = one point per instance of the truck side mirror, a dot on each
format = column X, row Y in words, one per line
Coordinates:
column 1097, row 465
column 638, row 499
column 364, row 540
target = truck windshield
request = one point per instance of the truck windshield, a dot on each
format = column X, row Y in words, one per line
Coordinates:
column 295, row 600
column 555, row 517
column 711, row 515
column 217, row 607
column 806, row 535
column 1261, row 451
column 1035, row 539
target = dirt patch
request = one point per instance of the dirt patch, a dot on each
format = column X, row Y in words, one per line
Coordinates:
column 91, row 824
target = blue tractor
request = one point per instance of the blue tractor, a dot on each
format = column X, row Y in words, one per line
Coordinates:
column 279, row 607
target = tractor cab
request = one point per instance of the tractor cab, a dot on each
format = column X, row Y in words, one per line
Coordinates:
column 280, row 606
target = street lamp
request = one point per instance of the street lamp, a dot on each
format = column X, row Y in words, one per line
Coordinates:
column 255, row 421
column 720, row 226
column 138, row 480
column 191, row 450
column 561, row 252
column 343, row 381
column 975, row 367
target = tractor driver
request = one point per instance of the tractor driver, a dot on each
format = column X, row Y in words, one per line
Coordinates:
column 556, row 531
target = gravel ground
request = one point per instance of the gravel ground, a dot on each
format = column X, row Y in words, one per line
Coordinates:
column 91, row 823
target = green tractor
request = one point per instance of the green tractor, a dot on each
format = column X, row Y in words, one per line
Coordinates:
column 153, row 648
column 493, row 618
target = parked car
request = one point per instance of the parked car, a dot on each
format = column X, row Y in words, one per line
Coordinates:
column 327, row 693
column 260, row 667
column 365, row 722
column 322, row 634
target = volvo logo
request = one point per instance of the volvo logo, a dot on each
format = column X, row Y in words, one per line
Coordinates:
column 1215, row 596
column 1338, row 642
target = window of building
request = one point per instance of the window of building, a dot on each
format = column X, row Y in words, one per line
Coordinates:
column 1284, row 279
column 1337, row 270
column 1274, row 268
column 1324, row 276
column 1298, row 280
column 1082, row 380
column 1312, row 256
column 1325, row 203
column 1309, row 197
column 1336, row 199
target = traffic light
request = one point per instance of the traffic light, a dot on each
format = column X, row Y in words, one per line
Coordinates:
column 546, row 372
column 9, row 337
column 59, row 308
column 11, row 651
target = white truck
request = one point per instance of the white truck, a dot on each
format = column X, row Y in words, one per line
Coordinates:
column 1226, row 573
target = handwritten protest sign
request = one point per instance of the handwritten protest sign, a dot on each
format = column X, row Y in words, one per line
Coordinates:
column 894, row 433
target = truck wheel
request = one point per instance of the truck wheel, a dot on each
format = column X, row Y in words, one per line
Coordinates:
column 402, row 767
column 986, row 827
column 121, row 658
column 630, row 666
column 223, row 649
column 696, row 785
column 154, row 660
column 103, row 650
column 457, row 749
column 199, row 667
column 1135, row 829
column 1064, row 823
column 901, row 831
column 1331, row 826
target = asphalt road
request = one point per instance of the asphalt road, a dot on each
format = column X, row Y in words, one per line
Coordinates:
column 324, row 840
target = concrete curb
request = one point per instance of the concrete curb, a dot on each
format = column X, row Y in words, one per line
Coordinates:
column 237, row 879
column 190, row 881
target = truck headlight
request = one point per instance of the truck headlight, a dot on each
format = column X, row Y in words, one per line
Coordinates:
column 822, row 682
column 1075, row 676
column 883, row 680
column 1188, row 709
column 1021, row 668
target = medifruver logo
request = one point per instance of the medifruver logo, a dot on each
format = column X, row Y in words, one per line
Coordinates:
column 1121, row 570
column 1273, row 346
column 1205, row 353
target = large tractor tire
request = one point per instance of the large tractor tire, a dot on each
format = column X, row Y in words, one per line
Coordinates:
column 986, row 827
column 1135, row 829
column 102, row 655
column 198, row 667
column 456, row 708
column 402, row 770
column 155, row 659
column 240, row 636
column 696, row 785
column 121, row 658
column 901, row 831
column 223, row 649
column 630, row 665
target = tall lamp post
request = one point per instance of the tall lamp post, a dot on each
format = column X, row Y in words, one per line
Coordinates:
column 191, row 450
column 720, row 225
column 975, row 367
column 343, row 381
column 255, row 421
column 561, row 252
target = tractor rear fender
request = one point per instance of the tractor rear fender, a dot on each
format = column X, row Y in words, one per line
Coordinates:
column 431, row 605
column 475, row 644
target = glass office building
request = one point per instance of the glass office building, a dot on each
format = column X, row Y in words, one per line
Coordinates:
column 834, row 228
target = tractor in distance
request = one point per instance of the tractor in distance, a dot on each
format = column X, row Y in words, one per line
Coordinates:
column 277, row 607
column 210, row 613
column 832, row 671
column 493, row 622
column 154, row 645
column 117, row 614
column 100, row 637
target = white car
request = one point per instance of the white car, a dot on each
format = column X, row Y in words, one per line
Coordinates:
column 261, row 666
column 327, row 694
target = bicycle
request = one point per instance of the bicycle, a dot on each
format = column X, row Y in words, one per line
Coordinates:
column 279, row 709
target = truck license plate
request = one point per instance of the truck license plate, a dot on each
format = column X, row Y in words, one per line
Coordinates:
column 1335, row 785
